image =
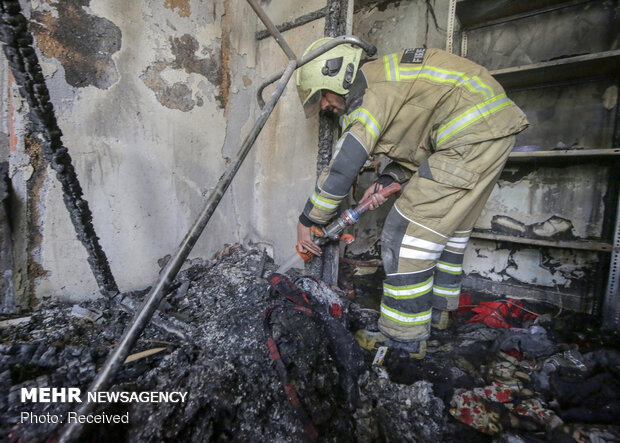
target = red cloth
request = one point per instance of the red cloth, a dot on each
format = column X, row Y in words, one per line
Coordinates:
column 496, row 313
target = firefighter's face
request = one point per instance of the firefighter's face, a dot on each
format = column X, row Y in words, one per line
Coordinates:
column 332, row 103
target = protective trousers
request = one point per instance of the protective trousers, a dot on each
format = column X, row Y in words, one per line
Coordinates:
column 426, row 233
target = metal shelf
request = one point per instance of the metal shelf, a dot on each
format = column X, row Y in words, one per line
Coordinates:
column 474, row 14
column 569, row 68
column 528, row 292
column 585, row 245
column 564, row 154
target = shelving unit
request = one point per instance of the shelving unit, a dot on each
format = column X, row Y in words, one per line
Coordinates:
column 585, row 245
column 475, row 14
column 570, row 70
column 583, row 154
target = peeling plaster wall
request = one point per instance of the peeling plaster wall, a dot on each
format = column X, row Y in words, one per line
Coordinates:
column 553, row 268
column 154, row 99
column 145, row 93
column 395, row 25
column 533, row 196
column 284, row 157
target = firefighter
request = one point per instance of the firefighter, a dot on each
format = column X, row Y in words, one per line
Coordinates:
column 448, row 127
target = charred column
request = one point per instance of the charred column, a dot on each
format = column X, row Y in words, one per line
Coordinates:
column 24, row 63
column 326, row 267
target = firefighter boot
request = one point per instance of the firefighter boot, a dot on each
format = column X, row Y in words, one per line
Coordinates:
column 440, row 319
column 373, row 340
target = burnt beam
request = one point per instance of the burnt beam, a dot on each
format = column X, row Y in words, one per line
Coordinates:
column 24, row 63
column 299, row 21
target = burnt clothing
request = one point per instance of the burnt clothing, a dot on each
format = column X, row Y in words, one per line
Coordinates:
column 447, row 119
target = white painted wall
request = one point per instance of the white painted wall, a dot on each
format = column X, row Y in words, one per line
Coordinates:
column 145, row 168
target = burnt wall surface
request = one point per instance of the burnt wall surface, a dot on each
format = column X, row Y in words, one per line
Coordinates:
column 83, row 42
column 154, row 99
column 395, row 25
column 543, row 201
column 569, row 117
column 586, row 27
column 141, row 91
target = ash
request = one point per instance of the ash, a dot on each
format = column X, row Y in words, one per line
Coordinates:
column 551, row 378
column 234, row 392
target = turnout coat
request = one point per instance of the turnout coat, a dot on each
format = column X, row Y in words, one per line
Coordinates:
column 407, row 106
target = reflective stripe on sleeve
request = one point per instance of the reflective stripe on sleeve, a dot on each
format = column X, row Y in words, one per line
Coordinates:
column 472, row 115
column 338, row 146
column 410, row 291
column 323, row 203
column 366, row 118
column 391, row 67
column 406, row 319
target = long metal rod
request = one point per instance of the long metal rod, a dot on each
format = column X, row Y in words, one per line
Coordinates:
column 272, row 29
column 611, row 309
column 143, row 316
column 369, row 48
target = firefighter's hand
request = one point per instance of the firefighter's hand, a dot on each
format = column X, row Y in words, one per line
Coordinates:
column 376, row 199
column 304, row 240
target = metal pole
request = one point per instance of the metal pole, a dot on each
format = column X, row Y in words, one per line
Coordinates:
column 143, row 316
column 611, row 307
column 272, row 29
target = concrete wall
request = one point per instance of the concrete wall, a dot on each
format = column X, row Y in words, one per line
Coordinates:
column 154, row 98
column 144, row 92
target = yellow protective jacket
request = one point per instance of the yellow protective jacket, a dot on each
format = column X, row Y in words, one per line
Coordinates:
column 408, row 105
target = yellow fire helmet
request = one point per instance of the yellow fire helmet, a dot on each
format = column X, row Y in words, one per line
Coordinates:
column 333, row 71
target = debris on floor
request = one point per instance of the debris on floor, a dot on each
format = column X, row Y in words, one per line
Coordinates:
column 256, row 358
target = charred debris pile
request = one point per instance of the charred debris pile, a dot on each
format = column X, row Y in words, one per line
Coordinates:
column 535, row 381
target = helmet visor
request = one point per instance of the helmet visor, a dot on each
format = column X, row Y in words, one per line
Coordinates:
column 313, row 105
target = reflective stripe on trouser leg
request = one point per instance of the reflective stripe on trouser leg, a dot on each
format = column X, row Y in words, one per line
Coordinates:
column 409, row 252
column 449, row 273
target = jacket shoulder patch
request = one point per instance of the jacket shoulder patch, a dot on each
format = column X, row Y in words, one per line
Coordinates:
column 413, row 55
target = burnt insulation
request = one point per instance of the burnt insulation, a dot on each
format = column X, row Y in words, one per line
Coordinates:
column 24, row 63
